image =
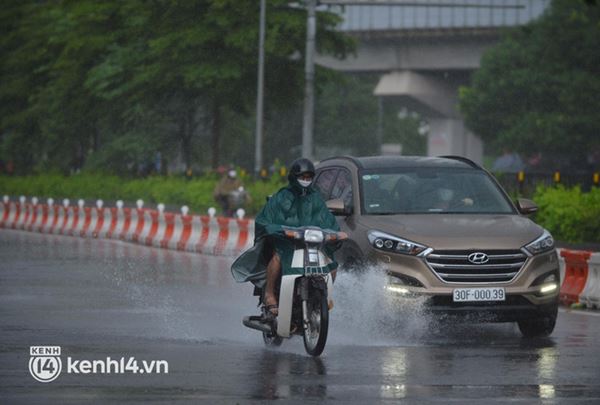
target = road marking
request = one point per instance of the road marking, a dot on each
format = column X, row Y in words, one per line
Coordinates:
column 579, row 312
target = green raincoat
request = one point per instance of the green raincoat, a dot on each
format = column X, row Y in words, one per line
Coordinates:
column 291, row 206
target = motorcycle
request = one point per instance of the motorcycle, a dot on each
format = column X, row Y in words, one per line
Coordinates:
column 235, row 199
column 304, row 292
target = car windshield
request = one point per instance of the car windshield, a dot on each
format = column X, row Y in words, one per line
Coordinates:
column 431, row 191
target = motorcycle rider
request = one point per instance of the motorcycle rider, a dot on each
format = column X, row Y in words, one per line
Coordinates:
column 228, row 184
column 297, row 204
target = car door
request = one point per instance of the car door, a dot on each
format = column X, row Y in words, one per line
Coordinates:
column 341, row 187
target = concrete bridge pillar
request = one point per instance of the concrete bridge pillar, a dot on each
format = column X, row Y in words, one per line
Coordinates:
column 449, row 136
column 435, row 97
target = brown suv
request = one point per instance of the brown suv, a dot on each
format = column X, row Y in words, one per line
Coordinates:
column 443, row 227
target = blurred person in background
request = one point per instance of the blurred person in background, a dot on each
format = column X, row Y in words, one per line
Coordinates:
column 509, row 162
column 230, row 194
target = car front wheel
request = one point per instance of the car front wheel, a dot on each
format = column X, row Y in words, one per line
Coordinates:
column 540, row 326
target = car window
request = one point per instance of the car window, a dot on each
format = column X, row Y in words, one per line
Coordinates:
column 342, row 188
column 324, row 181
column 431, row 190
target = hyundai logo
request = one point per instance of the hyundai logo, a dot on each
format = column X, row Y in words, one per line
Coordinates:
column 478, row 258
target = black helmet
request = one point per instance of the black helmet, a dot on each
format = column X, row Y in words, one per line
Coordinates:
column 300, row 166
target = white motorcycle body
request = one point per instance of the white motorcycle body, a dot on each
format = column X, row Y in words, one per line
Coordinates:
column 288, row 282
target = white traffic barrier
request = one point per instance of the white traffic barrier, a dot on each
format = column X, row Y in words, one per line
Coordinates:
column 561, row 266
column 34, row 216
column 205, row 234
column 130, row 225
column 67, row 226
column 146, row 220
column 59, row 217
column 91, row 221
column 17, row 220
column 38, row 216
column 209, row 236
column 118, row 221
column 590, row 296
column 189, row 240
column 3, row 207
column 161, row 229
column 103, row 221
column 79, row 219
column 47, row 216
column 174, row 231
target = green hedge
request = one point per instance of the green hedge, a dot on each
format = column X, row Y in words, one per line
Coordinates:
column 196, row 192
column 569, row 214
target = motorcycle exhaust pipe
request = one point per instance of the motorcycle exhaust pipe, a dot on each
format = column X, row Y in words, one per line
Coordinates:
column 254, row 322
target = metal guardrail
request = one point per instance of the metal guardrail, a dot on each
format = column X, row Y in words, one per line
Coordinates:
column 525, row 183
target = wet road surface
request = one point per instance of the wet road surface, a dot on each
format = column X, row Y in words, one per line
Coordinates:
column 99, row 299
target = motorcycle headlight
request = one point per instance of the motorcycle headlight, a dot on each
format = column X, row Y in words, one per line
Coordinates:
column 542, row 244
column 391, row 243
column 313, row 236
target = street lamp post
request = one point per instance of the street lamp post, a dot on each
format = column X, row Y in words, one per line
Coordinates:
column 309, row 97
column 260, row 90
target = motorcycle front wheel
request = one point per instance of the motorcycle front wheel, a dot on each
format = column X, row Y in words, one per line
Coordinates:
column 315, row 332
column 272, row 340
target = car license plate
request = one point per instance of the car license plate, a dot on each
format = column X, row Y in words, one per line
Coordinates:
column 478, row 294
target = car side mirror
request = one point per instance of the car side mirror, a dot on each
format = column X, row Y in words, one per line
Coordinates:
column 526, row 207
column 337, row 207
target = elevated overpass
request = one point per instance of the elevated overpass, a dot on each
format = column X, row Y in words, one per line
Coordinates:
column 424, row 51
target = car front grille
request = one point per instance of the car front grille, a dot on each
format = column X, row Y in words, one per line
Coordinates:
column 453, row 266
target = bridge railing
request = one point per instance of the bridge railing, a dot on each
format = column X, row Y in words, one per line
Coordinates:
column 435, row 14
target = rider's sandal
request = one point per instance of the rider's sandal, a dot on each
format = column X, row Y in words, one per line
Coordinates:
column 272, row 310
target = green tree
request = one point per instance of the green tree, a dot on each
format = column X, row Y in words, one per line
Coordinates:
column 537, row 90
column 24, row 53
column 109, row 82
column 198, row 59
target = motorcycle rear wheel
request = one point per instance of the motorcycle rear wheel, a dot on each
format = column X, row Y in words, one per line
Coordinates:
column 315, row 334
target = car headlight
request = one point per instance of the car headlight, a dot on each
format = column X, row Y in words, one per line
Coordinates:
column 542, row 244
column 391, row 243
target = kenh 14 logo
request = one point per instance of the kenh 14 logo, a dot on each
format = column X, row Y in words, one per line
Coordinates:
column 45, row 364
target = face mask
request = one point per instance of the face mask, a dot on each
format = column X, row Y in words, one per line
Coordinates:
column 305, row 183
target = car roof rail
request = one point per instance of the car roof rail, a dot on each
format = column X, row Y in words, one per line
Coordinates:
column 461, row 159
column 346, row 157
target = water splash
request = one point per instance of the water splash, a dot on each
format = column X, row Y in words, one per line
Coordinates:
column 366, row 313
